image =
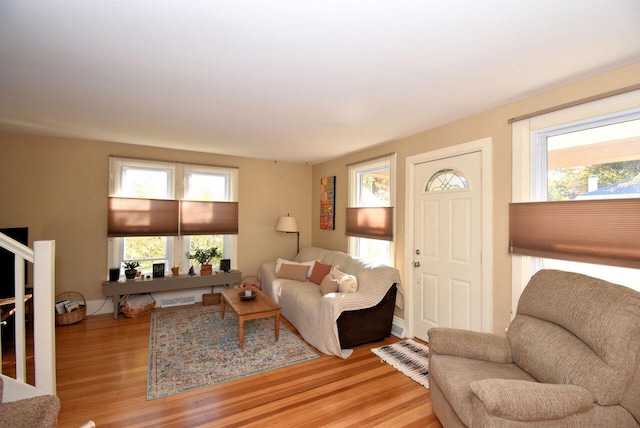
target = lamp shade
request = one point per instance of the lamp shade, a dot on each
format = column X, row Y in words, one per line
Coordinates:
column 287, row 224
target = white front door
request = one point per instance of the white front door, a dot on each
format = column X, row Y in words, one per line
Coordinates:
column 447, row 277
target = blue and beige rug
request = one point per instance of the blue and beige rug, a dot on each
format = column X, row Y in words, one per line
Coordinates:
column 408, row 357
column 193, row 348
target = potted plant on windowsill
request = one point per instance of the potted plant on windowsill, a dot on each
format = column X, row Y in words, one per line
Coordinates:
column 131, row 269
column 204, row 256
column 175, row 270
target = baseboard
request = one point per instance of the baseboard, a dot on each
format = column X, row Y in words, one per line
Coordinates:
column 397, row 328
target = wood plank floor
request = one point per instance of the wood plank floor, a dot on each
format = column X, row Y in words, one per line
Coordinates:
column 102, row 376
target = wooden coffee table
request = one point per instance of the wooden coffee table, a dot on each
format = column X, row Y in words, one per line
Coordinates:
column 260, row 307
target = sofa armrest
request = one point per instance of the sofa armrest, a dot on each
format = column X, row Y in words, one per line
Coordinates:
column 470, row 344
column 523, row 401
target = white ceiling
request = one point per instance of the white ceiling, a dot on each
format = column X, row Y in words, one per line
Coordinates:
column 299, row 81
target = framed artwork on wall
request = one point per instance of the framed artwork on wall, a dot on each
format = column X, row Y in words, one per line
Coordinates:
column 327, row 202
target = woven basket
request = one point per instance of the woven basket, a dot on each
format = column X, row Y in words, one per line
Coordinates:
column 75, row 316
column 136, row 312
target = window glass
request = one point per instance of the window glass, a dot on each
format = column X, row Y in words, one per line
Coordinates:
column 595, row 163
column 164, row 180
column 595, row 159
column 447, row 179
column 371, row 185
column 206, row 186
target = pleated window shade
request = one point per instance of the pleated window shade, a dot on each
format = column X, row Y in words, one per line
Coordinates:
column 603, row 231
column 142, row 217
column 208, row 218
column 370, row 222
column 160, row 217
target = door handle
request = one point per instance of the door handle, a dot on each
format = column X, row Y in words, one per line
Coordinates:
column 416, row 264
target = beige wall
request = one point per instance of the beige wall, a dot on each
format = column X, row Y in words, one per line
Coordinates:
column 491, row 124
column 58, row 188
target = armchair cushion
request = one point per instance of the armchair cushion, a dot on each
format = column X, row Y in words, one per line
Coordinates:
column 470, row 344
column 529, row 401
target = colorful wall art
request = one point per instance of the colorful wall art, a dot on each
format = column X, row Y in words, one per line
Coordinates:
column 327, row 202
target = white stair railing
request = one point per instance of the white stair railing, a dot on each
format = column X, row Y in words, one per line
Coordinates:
column 43, row 258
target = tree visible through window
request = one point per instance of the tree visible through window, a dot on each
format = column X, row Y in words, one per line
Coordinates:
column 163, row 180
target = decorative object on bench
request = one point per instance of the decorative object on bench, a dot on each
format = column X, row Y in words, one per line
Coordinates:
column 408, row 357
column 131, row 269
column 571, row 358
column 335, row 321
column 71, row 307
column 249, row 281
column 180, row 338
column 204, row 256
column 175, row 270
column 137, row 305
column 225, row 265
column 158, row 270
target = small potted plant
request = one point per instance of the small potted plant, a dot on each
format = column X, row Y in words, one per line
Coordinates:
column 131, row 269
column 204, row 256
column 175, row 270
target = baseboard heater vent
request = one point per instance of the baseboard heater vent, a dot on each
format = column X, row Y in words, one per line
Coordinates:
column 397, row 331
column 177, row 301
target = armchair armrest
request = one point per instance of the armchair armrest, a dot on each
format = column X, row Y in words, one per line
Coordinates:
column 523, row 401
column 470, row 344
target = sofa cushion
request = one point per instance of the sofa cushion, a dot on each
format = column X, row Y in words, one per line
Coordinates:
column 454, row 375
column 588, row 330
column 328, row 285
column 297, row 272
column 346, row 283
column 320, row 270
column 308, row 264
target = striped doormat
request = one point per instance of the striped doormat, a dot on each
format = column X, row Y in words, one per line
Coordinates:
column 408, row 357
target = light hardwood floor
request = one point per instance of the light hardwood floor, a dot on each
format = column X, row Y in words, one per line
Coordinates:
column 102, row 376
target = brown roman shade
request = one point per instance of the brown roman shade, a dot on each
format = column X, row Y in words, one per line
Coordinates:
column 142, row 217
column 370, row 222
column 603, row 231
column 162, row 217
column 208, row 218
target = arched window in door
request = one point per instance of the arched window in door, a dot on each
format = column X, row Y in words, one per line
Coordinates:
column 447, row 179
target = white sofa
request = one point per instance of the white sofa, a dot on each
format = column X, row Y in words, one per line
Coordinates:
column 336, row 321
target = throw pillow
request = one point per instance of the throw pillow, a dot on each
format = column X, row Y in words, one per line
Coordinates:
column 297, row 272
column 320, row 270
column 328, row 285
column 346, row 283
column 280, row 262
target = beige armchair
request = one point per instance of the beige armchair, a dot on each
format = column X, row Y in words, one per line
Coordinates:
column 571, row 358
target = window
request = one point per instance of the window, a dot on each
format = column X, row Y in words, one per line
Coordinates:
column 590, row 151
column 371, row 185
column 131, row 178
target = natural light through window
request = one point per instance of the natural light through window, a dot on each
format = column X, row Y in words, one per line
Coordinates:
column 599, row 159
column 371, row 185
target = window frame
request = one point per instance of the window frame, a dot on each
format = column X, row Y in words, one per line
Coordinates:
column 528, row 143
column 355, row 170
column 177, row 246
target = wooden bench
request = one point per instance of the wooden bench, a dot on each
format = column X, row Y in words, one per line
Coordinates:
column 117, row 289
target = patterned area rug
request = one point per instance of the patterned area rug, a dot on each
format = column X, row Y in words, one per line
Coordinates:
column 193, row 348
column 408, row 357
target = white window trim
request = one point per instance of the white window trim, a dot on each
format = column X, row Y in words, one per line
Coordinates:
column 522, row 152
column 175, row 245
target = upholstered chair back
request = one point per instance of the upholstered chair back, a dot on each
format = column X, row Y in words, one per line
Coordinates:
column 573, row 329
